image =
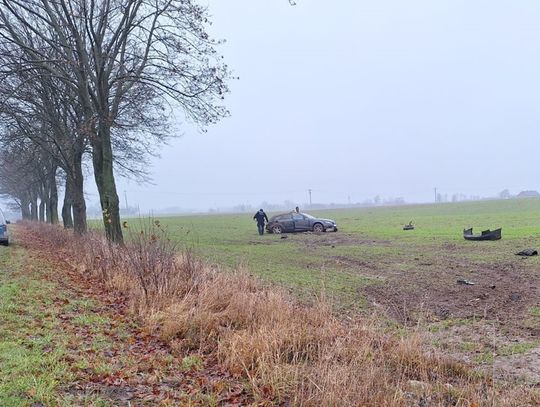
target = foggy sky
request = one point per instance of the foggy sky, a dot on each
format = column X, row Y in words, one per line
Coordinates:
column 362, row 98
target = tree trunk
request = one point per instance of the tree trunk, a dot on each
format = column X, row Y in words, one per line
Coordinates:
column 41, row 210
column 67, row 217
column 102, row 158
column 48, row 210
column 77, row 195
column 25, row 208
column 52, row 202
column 79, row 204
column 52, row 207
column 33, row 208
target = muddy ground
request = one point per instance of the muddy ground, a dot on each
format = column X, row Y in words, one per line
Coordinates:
column 484, row 310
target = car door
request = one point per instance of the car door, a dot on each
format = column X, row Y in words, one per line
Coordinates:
column 287, row 223
column 301, row 223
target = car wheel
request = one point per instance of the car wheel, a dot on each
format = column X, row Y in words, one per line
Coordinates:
column 277, row 229
column 318, row 228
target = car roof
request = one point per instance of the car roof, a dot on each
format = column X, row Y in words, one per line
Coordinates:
column 282, row 214
column 289, row 213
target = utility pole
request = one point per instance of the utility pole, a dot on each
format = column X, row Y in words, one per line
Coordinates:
column 125, row 197
column 309, row 192
column 435, row 189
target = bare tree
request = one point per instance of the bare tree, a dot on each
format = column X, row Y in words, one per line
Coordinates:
column 27, row 175
column 130, row 64
column 38, row 108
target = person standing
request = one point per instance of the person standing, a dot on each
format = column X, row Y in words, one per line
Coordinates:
column 260, row 217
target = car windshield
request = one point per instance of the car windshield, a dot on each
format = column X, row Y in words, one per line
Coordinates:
column 309, row 216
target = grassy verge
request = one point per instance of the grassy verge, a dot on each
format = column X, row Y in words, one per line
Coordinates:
column 33, row 344
column 65, row 343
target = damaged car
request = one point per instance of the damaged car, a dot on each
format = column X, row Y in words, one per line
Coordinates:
column 299, row 222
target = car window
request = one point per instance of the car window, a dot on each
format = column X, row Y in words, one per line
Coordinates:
column 284, row 217
column 297, row 217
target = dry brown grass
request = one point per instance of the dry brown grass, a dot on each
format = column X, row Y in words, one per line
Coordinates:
column 304, row 356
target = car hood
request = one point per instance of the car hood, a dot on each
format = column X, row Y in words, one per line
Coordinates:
column 328, row 220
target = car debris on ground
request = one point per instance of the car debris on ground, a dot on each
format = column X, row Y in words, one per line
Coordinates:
column 485, row 235
column 528, row 252
column 409, row 226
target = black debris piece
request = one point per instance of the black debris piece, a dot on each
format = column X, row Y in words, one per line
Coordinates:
column 485, row 235
column 528, row 252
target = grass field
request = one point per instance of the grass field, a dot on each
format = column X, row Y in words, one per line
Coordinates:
column 405, row 281
column 34, row 344
column 206, row 338
column 370, row 246
column 371, row 263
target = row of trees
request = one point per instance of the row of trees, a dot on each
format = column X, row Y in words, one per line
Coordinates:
column 95, row 85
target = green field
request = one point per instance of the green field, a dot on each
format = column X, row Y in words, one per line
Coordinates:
column 410, row 280
column 410, row 277
column 370, row 248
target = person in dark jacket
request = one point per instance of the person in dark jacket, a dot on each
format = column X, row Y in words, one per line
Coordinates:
column 260, row 217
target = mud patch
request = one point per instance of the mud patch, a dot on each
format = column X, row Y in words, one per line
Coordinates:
column 356, row 263
column 314, row 240
column 500, row 292
column 522, row 368
column 264, row 242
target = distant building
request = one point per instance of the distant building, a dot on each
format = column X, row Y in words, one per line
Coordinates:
column 505, row 194
column 528, row 194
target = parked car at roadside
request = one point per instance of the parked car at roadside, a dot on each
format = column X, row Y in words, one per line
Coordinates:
column 299, row 222
column 4, row 235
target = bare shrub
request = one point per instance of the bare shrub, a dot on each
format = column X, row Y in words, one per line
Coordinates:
column 96, row 256
column 151, row 260
column 149, row 269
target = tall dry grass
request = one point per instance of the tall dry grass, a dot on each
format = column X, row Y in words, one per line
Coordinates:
column 290, row 354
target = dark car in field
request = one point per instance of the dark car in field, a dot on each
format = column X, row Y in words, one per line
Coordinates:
column 299, row 222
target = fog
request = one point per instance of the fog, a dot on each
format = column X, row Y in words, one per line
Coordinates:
column 354, row 99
